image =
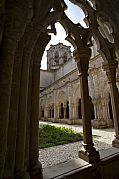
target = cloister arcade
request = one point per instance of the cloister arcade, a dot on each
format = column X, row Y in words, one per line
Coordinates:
column 24, row 34
column 67, row 108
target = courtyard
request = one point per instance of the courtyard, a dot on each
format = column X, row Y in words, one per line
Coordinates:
column 62, row 153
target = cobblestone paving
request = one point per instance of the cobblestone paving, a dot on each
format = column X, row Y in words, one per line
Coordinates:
column 59, row 154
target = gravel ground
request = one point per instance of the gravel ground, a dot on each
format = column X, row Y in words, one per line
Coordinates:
column 59, row 154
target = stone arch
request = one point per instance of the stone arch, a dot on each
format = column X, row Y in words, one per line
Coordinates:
column 61, row 97
column 77, row 93
column 102, row 27
column 50, row 100
column 79, row 38
column 30, row 32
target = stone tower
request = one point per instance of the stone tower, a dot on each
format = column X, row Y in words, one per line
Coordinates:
column 57, row 55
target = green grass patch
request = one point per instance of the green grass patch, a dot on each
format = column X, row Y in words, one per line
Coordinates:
column 50, row 136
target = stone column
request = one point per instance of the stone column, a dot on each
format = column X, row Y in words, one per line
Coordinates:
column 46, row 112
column 55, row 109
column 20, row 167
column 110, row 69
column 77, row 116
column 35, row 166
column 70, row 104
column 64, row 106
column 28, row 114
column 106, row 115
column 88, row 152
column 59, row 111
column 70, row 108
column 13, row 31
column 95, row 108
column 13, row 113
column 100, row 115
column 51, row 111
column 98, row 106
column 40, row 111
column 96, row 121
column 73, row 111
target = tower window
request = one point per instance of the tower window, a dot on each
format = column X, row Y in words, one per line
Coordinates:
column 65, row 57
column 56, row 57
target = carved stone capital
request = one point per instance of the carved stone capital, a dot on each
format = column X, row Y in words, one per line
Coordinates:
column 82, row 58
column 110, row 69
column 83, row 53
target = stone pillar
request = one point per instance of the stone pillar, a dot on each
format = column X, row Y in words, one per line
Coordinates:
column 110, row 69
column 77, row 116
column 70, row 108
column 99, row 109
column 70, row 104
column 13, row 31
column 55, row 111
column 88, row 152
column 35, row 166
column 73, row 111
column 13, row 113
column 59, row 111
column 20, row 167
column 40, row 111
column 55, row 108
column 28, row 114
column 97, row 122
column 95, row 108
column 106, row 115
column 46, row 112
column 51, row 111
column 100, row 115
column 64, row 106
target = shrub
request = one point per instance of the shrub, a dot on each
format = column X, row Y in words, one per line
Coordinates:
column 51, row 136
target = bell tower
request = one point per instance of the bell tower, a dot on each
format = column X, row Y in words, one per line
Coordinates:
column 57, row 55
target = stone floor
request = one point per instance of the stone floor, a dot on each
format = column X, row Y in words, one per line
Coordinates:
column 59, row 154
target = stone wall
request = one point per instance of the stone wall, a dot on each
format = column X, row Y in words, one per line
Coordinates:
column 66, row 88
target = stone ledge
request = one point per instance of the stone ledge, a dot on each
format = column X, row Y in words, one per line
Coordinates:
column 109, row 154
column 78, row 167
column 62, row 169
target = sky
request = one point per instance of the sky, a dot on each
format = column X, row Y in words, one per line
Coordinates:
column 76, row 15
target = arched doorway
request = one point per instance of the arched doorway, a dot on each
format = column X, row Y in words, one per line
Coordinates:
column 79, row 109
column 42, row 112
column 110, row 109
column 53, row 112
column 62, row 111
column 50, row 115
column 91, row 106
column 67, row 109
